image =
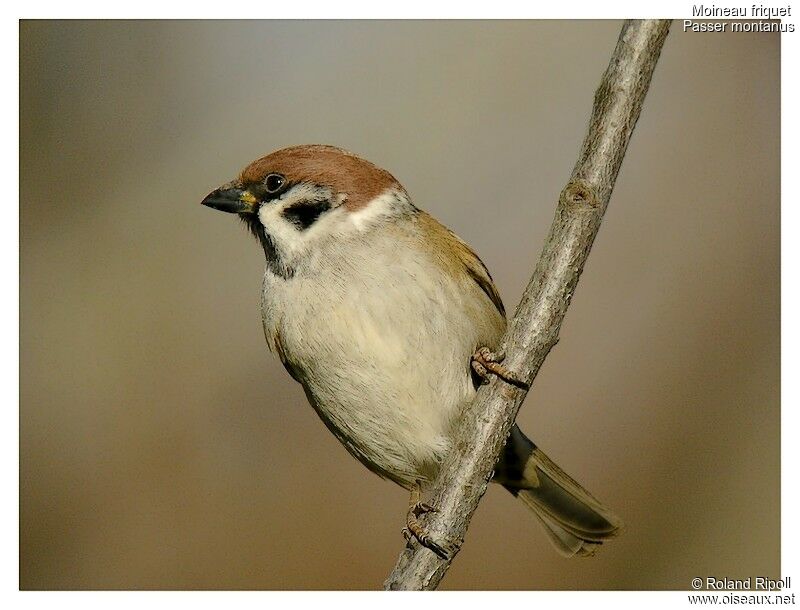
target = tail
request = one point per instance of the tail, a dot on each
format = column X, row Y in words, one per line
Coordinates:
column 573, row 519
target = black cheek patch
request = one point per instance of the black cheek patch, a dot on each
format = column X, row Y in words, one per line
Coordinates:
column 305, row 213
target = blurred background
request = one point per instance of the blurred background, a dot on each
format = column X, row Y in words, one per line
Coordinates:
column 163, row 447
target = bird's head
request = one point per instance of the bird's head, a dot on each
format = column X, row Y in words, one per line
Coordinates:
column 296, row 197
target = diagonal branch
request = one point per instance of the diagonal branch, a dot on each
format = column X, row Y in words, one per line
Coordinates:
column 534, row 329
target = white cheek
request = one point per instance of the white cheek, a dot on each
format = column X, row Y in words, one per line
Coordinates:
column 284, row 234
column 291, row 242
column 294, row 245
column 383, row 205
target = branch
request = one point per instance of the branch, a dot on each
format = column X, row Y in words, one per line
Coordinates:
column 534, row 329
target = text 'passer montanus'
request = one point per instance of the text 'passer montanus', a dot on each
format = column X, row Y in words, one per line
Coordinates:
column 387, row 320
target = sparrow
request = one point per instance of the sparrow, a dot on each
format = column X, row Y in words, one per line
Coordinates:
column 388, row 320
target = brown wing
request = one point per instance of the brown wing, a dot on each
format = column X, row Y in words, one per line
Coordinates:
column 472, row 265
column 478, row 272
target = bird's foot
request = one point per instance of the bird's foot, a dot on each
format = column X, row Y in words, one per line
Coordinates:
column 485, row 362
column 415, row 529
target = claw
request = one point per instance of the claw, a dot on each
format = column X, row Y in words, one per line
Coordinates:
column 415, row 528
column 485, row 362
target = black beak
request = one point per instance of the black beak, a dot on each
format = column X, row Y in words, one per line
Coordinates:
column 232, row 200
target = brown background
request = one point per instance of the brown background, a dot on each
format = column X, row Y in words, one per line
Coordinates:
column 163, row 447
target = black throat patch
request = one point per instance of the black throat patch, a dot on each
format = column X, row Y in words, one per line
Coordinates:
column 274, row 260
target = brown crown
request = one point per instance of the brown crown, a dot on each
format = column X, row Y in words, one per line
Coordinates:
column 345, row 173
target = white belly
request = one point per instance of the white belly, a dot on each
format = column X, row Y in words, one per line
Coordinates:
column 381, row 343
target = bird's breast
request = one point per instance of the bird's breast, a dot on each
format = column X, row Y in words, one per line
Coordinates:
column 381, row 341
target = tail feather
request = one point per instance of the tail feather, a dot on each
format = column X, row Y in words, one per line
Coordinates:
column 575, row 521
column 566, row 544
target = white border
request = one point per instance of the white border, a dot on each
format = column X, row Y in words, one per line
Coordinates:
column 790, row 303
column 9, row 265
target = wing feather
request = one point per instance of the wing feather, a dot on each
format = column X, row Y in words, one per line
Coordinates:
column 469, row 262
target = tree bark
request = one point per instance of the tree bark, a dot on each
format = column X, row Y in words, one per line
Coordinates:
column 535, row 327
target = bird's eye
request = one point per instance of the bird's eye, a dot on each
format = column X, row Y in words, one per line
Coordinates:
column 274, row 182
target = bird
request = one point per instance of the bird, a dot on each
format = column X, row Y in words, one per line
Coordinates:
column 390, row 323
